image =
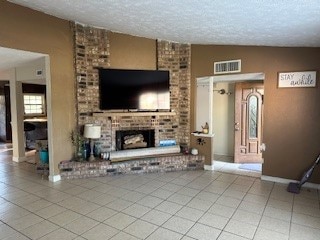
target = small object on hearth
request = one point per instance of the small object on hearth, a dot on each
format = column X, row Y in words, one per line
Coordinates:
column 105, row 156
column 205, row 128
column 194, row 151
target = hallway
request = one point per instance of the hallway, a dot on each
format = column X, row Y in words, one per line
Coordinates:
column 176, row 205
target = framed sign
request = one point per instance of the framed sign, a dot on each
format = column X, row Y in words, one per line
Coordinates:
column 297, row 79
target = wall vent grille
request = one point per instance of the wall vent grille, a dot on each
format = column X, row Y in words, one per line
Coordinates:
column 232, row 66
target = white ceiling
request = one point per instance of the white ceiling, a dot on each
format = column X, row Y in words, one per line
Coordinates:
column 293, row 23
column 10, row 58
column 225, row 22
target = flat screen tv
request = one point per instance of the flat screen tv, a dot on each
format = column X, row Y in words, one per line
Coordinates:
column 138, row 90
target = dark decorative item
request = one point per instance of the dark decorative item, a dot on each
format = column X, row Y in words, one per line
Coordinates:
column 200, row 141
column 97, row 149
column 184, row 149
column 86, row 150
column 77, row 141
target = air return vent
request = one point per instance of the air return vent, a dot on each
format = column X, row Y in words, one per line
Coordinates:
column 232, row 66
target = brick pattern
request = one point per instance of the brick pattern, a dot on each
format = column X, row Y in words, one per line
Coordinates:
column 177, row 58
column 92, row 49
column 179, row 162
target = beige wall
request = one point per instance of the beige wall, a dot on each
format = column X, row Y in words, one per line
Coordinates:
column 25, row 29
column 131, row 52
column 291, row 116
column 223, row 120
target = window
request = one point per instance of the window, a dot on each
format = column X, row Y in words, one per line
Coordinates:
column 253, row 117
column 34, row 104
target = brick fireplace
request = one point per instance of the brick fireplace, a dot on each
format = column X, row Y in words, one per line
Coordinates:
column 92, row 49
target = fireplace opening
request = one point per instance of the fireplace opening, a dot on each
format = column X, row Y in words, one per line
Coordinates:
column 133, row 139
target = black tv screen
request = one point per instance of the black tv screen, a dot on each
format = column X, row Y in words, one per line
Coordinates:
column 141, row 90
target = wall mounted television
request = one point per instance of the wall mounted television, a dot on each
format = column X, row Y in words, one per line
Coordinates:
column 134, row 90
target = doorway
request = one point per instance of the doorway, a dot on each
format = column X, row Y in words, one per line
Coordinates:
column 248, row 123
column 241, row 138
column 20, row 68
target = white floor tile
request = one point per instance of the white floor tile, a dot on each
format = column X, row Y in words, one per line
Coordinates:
column 136, row 210
column 275, row 225
column 169, row 207
column 247, row 217
column 177, row 224
column 164, row 234
column 101, row 214
column 222, row 210
column 64, row 218
column 39, row 230
column 100, row 232
column 265, row 234
column 156, row 217
column 177, row 205
column 140, row 229
column 203, row 232
column 230, row 236
column 123, row 236
column 59, row 234
column 120, row 221
column 81, row 225
column 242, row 229
column 298, row 232
column 213, row 220
column 190, row 213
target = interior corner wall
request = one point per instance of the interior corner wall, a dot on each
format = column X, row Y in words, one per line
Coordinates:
column 291, row 115
column 25, row 29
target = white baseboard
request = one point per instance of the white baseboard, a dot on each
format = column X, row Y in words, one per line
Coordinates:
column 54, row 178
column 19, row 159
column 209, row 167
column 287, row 181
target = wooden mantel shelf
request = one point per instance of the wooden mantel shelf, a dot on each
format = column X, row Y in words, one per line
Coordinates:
column 115, row 114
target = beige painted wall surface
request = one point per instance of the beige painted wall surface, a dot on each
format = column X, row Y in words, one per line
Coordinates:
column 223, row 120
column 291, row 116
column 25, row 29
column 131, row 52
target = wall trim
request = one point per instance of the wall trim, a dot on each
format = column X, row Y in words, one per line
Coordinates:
column 19, row 159
column 287, row 181
column 54, row 178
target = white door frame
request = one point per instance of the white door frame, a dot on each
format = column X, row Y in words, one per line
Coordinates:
column 209, row 82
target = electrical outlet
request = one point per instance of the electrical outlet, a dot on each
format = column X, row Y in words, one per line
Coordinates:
column 39, row 72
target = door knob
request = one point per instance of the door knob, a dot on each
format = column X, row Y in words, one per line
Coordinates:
column 236, row 126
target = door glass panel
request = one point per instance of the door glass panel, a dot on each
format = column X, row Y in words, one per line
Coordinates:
column 253, row 117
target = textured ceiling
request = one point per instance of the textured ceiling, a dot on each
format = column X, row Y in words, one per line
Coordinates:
column 225, row 22
column 294, row 23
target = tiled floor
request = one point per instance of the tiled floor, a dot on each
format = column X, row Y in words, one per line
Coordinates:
column 178, row 205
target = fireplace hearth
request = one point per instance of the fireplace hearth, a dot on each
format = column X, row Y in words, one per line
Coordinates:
column 134, row 139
